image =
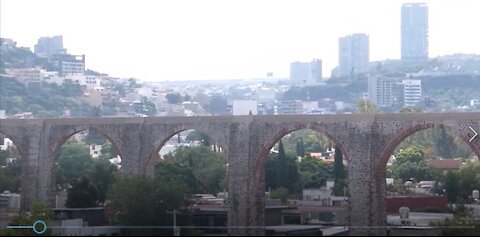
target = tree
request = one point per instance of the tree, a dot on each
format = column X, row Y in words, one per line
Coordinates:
column 409, row 154
column 143, row 201
column 202, row 170
column 94, row 137
column 312, row 142
column 339, row 173
column 108, row 151
column 458, row 185
column 410, row 163
column 367, row 107
column 281, row 166
column 462, row 224
column 282, row 170
column 199, row 136
column 287, row 172
column 411, row 170
column 314, row 173
column 3, row 157
column 102, row 175
column 10, row 177
column 174, row 98
column 73, row 161
column 281, row 193
column 82, row 194
column 411, row 110
column 444, row 144
column 38, row 211
column 175, row 172
column 300, row 148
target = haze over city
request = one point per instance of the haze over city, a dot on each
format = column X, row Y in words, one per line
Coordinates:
column 199, row 40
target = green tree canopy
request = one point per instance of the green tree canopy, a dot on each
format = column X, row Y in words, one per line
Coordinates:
column 339, row 173
column 75, row 164
column 10, row 177
column 203, row 170
column 281, row 170
column 174, row 98
column 411, row 154
column 444, row 144
column 38, row 211
column 82, row 194
column 74, row 159
column 314, row 173
column 142, row 201
column 367, row 107
column 201, row 137
column 410, row 163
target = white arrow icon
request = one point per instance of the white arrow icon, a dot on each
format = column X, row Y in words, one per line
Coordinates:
column 474, row 136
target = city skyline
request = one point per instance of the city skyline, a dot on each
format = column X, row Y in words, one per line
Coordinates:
column 220, row 40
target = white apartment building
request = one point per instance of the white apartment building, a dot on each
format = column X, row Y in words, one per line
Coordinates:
column 412, row 92
column 380, row 91
column 92, row 81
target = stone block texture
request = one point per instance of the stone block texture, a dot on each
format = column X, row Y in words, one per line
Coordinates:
column 367, row 141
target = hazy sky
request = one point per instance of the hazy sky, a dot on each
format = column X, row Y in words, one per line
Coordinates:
column 206, row 39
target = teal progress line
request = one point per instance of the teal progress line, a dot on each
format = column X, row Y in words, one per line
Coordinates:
column 19, row 227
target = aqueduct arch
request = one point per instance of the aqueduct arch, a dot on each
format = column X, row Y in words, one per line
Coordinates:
column 365, row 139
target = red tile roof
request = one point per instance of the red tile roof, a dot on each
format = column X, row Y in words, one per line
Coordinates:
column 446, row 164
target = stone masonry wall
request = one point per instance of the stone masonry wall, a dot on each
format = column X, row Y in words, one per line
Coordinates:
column 365, row 140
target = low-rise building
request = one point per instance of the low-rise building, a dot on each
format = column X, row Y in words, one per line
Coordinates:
column 10, row 201
column 290, row 107
column 95, row 150
column 28, row 76
column 6, row 143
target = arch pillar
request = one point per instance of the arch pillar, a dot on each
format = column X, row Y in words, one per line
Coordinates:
column 30, row 183
column 366, row 187
column 246, row 200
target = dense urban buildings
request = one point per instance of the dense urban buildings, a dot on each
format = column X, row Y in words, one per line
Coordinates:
column 353, row 54
column 414, row 32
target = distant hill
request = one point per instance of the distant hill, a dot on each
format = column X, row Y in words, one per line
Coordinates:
column 16, row 57
column 49, row 100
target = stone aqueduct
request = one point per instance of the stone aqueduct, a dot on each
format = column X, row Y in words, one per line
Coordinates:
column 366, row 141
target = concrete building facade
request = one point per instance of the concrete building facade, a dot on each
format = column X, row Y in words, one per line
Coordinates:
column 48, row 46
column 380, row 91
column 67, row 64
column 412, row 90
column 353, row 54
column 309, row 73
